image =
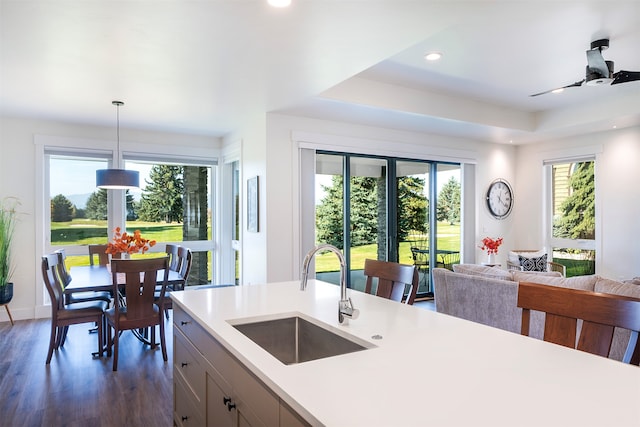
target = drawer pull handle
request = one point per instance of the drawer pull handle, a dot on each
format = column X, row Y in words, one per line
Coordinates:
column 183, row 364
column 185, row 418
column 183, row 323
column 227, row 401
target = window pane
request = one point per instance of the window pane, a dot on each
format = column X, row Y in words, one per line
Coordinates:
column 78, row 209
column 173, row 205
column 573, row 200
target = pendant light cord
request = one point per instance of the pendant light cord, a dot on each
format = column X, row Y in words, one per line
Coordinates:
column 118, row 104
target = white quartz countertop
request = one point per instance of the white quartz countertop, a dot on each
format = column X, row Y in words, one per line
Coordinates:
column 428, row 368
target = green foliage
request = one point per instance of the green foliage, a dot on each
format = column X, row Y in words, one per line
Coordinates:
column 8, row 216
column 449, row 202
column 366, row 207
column 578, row 219
column 96, row 208
column 162, row 196
column 413, row 206
column 329, row 214
column 62, row 209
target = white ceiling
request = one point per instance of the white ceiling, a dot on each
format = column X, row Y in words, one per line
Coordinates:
column 205, row 66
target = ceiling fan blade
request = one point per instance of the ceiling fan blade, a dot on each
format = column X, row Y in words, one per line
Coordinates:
column 596, row 62
column 559, row 88
column 623, row 76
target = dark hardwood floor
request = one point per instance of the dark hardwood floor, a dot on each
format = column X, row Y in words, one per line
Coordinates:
column 77, row 389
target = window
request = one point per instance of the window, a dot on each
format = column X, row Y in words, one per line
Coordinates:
column 572, row 210
column 173, row 205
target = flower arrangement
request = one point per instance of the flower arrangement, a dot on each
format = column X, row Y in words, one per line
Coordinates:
column 491, row 245
column 127, row 243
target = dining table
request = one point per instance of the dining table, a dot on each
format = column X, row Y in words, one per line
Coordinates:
column 99, row 278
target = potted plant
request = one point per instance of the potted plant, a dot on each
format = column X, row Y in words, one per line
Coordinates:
column 8, row 216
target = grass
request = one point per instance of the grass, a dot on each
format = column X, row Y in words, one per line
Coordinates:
column 448, row 239
column 85, row 232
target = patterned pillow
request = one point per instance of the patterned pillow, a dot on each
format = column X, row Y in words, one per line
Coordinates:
column 533, row 264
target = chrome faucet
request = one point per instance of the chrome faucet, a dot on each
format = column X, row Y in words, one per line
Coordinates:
column 345, row 306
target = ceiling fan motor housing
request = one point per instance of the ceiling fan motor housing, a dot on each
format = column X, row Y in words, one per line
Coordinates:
column 594, row 78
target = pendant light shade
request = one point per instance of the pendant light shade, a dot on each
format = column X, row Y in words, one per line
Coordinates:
column 117, row 179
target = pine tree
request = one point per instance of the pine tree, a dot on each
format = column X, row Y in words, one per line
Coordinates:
column 449, row 202
column 162, row 196
column 579, row 212
column 97, row 208
column 62, row 210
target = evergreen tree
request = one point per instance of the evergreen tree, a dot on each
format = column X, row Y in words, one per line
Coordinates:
column 578, row 221
column 162, row 196
column 449, row 202
column 62, row 210
column 97, row 205
column 413, row 206
column 365, row 207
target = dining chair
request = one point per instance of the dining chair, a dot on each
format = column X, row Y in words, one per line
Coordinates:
column 183, row 258
column 140, row 311
column 172, row 251
column 78, row 296
column 392, row 280
column 101, row 252
column 63, row 315
column 600, row 314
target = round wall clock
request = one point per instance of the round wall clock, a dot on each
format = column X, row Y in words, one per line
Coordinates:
column 500, row 198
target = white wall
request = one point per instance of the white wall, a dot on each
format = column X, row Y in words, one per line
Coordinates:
column 17, row 178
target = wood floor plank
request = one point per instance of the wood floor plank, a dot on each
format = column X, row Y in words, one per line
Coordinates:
column 77, row 389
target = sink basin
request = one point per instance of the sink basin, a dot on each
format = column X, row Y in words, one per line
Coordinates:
column 294, row 339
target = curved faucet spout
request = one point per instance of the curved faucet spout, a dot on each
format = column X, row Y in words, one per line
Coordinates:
column 345, row 306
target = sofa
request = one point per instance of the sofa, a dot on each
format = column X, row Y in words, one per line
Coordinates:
column 488, row 295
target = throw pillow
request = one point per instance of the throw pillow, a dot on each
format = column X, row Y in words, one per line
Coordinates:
column 533, row 264
column 512, row 257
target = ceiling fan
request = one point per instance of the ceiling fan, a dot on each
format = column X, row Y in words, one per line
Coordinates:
column 599, row 71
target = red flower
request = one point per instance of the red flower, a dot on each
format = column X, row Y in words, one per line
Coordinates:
column 491, row 245
column 126, row 243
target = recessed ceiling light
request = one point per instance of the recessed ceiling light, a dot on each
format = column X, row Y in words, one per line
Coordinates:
column 433, row 56
column 279, row 3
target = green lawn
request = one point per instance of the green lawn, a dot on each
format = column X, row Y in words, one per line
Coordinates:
column 84, row 231
column 448, row 239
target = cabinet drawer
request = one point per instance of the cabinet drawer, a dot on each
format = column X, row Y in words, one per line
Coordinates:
column 185, row 412
column 189, row 363
column 183, row 322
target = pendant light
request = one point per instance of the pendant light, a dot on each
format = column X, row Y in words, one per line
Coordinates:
column 117, row 179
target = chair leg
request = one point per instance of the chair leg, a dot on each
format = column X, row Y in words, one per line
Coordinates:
column 163, row 343
column 63, row 337
column 109, row 340
column 153, row 334
column 116, row 338
column 100, row 336
column 52, row 341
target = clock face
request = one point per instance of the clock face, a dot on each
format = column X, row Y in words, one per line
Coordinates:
column 500, row 198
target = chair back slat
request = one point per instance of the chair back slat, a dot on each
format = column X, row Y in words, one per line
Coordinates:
column 601, row 313
column 174, row 260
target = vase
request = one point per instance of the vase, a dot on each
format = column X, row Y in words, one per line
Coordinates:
column 491, row 258
column 6, row 293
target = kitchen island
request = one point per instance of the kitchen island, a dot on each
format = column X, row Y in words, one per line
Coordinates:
column 423, row 367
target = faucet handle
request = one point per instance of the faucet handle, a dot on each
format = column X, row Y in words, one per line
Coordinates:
column 345, row 308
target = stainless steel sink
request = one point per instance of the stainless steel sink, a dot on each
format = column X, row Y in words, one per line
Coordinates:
column 293, row 339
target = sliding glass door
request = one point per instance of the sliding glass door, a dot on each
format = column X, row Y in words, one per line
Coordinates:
column 382, row 211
